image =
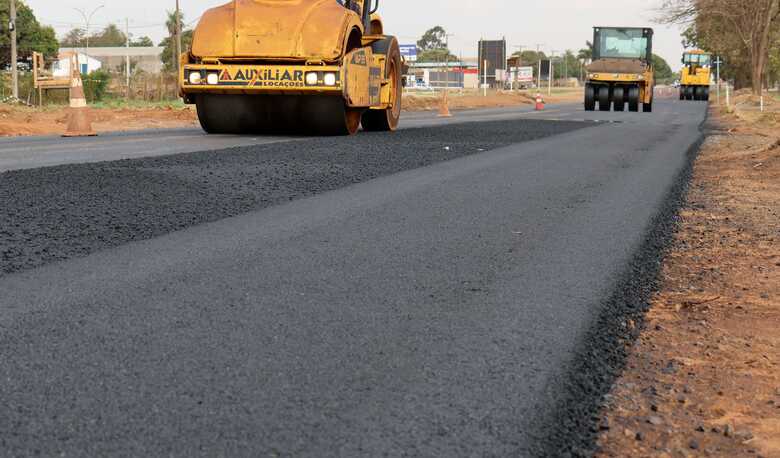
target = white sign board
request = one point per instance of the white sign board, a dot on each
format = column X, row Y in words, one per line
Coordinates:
column 409, row 52
column 525, row 74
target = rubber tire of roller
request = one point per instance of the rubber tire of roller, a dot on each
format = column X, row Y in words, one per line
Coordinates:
column 387, row 119
column 633, row 99
column 590, row 97
column 618, row 98
column 604, row 102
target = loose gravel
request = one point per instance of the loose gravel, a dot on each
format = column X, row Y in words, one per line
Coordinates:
column 57, row 213
column 573, row 425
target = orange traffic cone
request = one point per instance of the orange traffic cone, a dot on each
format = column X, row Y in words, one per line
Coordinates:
column 444, row 109
column 539, row 102
column 79, row 122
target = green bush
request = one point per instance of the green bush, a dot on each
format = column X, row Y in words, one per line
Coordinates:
column 96, row 85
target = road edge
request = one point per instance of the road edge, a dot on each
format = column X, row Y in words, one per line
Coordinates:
column 571, row 429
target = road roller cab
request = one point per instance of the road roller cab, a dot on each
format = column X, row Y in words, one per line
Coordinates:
column 293, row 66
column 696, row 75
column 622, row 69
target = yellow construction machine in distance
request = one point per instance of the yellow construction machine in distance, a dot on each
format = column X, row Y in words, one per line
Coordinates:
column 696, row 75
column 621, row 72
column 293, row 66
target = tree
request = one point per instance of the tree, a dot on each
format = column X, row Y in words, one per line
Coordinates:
column 567, row 65
column 108, row 37
column 433, row 46
column 436, row 55
column 30, row 34
column 731, row 27
column 142, row 42
column 663, row 72
column 434, row 38
column 169, row 45
column 586, row 54
column 530, row 59
column 73, row 39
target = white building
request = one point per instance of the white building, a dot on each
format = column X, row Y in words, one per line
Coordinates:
column 113, row 58
column 61, row 67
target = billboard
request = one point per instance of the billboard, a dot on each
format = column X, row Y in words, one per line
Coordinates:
column 408, row 52
column 492, row 59
column 544, row 70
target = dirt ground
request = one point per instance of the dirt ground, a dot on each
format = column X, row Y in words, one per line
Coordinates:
column 704, row 377
column 467, row 101
column 21, row 121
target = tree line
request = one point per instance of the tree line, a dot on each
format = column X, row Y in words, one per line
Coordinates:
column 32, row 36
column 112, row 35
column 744, row 33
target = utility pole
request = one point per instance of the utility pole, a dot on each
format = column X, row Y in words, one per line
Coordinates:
column 517, row 68
column 484, row 83
column 14, row 70
column 717, row 77
column 447, row 60
column 552, row 72
column 127, row 56
column 539, row 68
column 178, row 39
column 87, row 20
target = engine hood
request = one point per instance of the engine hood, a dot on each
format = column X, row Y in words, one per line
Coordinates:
column 274, row 29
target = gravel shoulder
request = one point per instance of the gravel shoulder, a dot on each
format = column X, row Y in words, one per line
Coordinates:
column 703, row 379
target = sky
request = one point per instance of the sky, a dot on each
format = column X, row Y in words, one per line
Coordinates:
column 556, row 25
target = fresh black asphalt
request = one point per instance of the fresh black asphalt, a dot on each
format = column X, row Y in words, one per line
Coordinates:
column 56, row 213
column 439, row 309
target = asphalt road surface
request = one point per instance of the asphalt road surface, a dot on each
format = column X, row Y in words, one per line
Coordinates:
column 421, row 293
column 32, row 152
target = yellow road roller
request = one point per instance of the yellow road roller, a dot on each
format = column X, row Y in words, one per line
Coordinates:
column 696, row 75
column 319, row 67
column 622, row 70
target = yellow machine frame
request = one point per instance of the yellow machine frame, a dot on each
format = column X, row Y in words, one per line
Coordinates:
column 695, row 79
column 314, row 48
column 617, row 81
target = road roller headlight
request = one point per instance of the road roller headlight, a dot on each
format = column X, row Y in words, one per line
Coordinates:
column 195, row 78
column 329, row 79
column 212, row 79
column 594, row 76
column 312, row 78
